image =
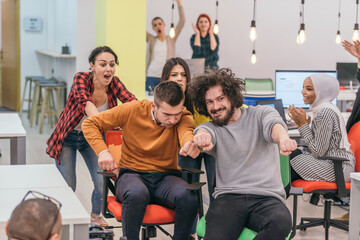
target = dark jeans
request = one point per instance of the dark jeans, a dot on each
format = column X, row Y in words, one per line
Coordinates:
column 209, row 161
column 230, row 213
column 136, row 190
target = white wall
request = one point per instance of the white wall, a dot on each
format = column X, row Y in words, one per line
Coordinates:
column 277, row 26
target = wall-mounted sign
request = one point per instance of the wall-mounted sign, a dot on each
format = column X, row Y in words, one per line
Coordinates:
column 33, row 24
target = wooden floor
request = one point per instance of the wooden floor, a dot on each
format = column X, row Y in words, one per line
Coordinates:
column 35, row 154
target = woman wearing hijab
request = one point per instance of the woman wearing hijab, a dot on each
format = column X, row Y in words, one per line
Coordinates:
column 324, row 134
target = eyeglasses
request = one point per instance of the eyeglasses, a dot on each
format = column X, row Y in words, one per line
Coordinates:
column 39, row 195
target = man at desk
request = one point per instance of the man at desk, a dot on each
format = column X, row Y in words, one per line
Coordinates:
column 249, row 191
column 149, row 173
column 35, row 219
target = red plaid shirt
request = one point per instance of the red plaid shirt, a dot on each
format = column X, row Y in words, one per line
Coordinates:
column 81, row 92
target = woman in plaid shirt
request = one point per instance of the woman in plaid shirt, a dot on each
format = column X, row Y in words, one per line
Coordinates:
column 91, row 93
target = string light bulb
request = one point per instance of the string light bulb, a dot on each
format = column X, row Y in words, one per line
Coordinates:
column 252, row 34
column 172, row 29
column 301, row 37
column 338, row 37
column 356, row 26
column 253, row 57
column 216, row 25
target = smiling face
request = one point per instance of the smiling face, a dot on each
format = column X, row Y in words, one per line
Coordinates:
column 103, row 68
column 178, row 75
column 158, row 26
column 167, row 115
column 308, row 91
column 203, row 24
column 218, row 105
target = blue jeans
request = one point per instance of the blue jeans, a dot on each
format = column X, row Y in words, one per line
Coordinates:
column 230, row 213
column 151, row 81
column 209, row 160
column 75, row 141
column 138, row 189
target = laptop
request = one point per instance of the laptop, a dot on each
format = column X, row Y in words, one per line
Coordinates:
column 278, row 105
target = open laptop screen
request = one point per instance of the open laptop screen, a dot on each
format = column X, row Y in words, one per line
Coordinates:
column 289, row 83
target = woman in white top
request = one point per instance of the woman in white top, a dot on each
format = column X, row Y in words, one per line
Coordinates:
column 160, row 47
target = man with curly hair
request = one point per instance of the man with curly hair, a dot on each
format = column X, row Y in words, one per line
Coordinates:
column 244, row 141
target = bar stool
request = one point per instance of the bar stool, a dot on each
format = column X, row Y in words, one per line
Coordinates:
column 28, row 79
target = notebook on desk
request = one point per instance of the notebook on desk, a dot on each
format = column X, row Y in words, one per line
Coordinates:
column 278, row 105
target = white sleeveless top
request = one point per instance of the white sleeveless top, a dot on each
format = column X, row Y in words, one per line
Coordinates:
column 100, row 109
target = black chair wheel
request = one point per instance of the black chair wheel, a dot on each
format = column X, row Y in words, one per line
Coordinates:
column 303, row 229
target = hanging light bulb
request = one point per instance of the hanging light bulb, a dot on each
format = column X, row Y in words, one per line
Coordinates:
column 172, row 29
column 253, row 57
column 338, row 38
column 298, row 38
column 216, row 27
column 301, row 35
column 356, row 32
column 252, row 35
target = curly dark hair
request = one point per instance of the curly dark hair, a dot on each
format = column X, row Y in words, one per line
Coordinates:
column 232, row 87
column 169, row 65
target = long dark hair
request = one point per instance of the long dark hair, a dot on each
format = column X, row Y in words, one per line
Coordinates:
column 99, row 50
column 169, row 65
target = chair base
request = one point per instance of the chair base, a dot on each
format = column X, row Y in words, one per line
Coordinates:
column 326, row 222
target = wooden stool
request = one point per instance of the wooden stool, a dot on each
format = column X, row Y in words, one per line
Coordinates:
column 48, row 105
column 37, row 99
column 28, row 79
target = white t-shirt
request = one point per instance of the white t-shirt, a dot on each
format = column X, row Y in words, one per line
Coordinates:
column 158, row 59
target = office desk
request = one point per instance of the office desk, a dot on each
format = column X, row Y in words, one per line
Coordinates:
column 354, row 223
column 294, row 133
column 75, row 219
column 12, row 128
column 25, row 176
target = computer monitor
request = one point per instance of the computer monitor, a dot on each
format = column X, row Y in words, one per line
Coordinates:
column 289, row 83
column 346, row 72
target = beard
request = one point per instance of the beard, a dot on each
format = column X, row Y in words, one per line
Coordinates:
column 223, row 121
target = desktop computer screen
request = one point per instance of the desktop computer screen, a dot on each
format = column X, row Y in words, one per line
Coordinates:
column 289, row 83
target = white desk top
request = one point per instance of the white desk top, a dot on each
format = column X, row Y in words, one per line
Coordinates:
column 355, row 176
column 54, row 54
column 259, row 94
column 25, row 176
column 11, row 126
column 72, row 211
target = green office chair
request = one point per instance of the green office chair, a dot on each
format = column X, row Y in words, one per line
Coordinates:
column 259, row 84
column 248, row 234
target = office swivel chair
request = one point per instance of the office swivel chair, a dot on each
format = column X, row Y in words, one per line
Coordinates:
column 155, row 215
column 258, row 84
column 248, row 234
column 331, row 191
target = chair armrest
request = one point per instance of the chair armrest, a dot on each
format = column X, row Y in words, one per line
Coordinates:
column 195, row 186
column 107, row 174
column 339, row 174
column 190, row 172
column 296, row 191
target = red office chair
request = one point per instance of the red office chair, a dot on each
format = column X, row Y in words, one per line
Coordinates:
column 155, row 215
column 329, row 190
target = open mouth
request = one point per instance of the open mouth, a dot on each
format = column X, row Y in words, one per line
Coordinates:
column 108, row 77
column 159, row 31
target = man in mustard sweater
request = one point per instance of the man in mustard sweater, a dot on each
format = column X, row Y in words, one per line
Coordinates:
column 149, row 171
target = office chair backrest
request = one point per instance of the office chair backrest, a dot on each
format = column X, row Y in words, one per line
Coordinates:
column 259, row 84
column 354, row 140
column 113, row 139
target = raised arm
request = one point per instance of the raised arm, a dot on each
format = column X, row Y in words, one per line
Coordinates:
column 181, row 23
column 353, row 49
column 281, row 137
column 213, row 40
column 202, row 139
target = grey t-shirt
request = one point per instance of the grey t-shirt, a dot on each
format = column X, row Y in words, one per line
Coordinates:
column 247, row 159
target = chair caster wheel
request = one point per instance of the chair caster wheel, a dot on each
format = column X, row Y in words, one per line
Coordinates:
column 303, row 229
